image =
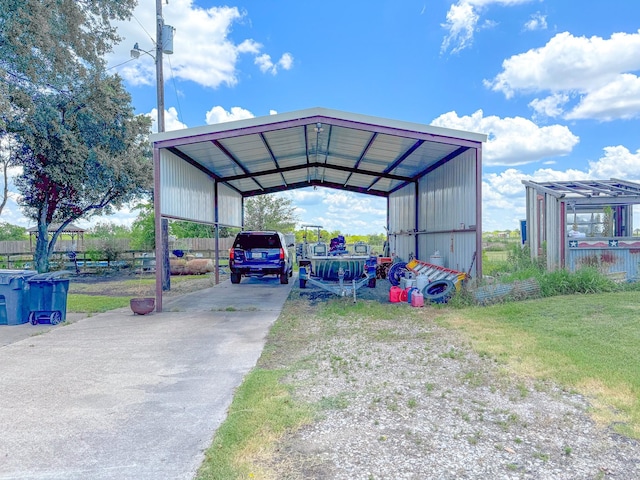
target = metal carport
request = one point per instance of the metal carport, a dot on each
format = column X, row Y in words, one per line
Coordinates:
column 431, row 176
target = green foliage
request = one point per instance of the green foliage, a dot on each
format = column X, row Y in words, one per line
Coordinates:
column 12, row 232
column 48, row 44
column 269, row 212
column 108, row 229
column 181, row 229
column 83, row 153
column 143, row 236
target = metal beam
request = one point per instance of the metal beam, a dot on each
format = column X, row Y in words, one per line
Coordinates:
column 231, row 157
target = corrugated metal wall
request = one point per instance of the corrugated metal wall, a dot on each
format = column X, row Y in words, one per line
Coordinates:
column 607, row 260
column 552, row 231
column 446, row 219
column 402, row 226
column 185, row 192
column 229, row 206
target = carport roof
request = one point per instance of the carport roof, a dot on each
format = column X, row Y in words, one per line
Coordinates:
column 317, row 147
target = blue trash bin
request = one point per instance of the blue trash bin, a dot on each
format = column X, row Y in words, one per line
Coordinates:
column 48, row 298
column 14, row 301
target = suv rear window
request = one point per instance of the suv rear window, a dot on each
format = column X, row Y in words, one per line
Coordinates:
column 257, row 240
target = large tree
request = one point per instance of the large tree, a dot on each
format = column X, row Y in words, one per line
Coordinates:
column 269, row 212
column 48, row 46
column 83, row 153
column 44, row 43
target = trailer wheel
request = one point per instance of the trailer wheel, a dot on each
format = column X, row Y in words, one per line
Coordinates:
column 439, row 291
column 396, row 272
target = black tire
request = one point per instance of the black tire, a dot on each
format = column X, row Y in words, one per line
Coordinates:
column 396, row 272
column 439, row 291
column 284, row 278
column 235, row 277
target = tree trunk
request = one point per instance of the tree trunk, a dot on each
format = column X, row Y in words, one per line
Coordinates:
column 41, row 253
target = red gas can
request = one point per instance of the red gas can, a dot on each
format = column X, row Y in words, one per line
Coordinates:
column 394, row 294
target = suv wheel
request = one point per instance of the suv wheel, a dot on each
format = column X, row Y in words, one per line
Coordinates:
column 235, row 277
column 284, row 278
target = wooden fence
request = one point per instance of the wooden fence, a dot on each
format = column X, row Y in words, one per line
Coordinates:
column 89, row 253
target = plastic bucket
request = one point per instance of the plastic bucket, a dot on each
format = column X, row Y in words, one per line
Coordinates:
column 417, row 299
column 394, row 294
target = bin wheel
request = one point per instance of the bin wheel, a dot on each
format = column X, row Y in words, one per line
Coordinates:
column 371, row 283
column 33, row 318
column 303, row 283
column 55, row 318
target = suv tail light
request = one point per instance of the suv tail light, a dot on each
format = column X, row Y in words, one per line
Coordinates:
column 231, row 254
column 282, row 254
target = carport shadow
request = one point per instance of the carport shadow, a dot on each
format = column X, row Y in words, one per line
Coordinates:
column 251, row 294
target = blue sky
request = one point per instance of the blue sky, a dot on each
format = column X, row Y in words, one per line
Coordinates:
column 555, row 85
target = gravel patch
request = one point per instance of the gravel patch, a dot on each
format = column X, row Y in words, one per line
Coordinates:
column 403, row 398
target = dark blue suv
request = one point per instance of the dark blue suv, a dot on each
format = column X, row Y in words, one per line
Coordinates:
column 256, row 254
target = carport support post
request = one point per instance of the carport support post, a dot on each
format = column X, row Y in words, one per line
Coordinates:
column 166, row 268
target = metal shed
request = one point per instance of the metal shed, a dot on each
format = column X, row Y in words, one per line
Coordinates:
column 584, row 223
column 430, row 176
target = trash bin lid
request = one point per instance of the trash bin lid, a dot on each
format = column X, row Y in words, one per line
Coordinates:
column 48, row 277
column 7, row 276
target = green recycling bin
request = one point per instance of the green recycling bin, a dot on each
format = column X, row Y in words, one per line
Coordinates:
column 14, row 301
column 48, row 298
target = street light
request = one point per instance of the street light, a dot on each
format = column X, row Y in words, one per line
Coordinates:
column 164, row 44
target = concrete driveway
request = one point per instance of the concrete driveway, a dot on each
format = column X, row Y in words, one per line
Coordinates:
column 118, row 396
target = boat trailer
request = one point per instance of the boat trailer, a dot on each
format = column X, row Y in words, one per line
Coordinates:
column 344, row 287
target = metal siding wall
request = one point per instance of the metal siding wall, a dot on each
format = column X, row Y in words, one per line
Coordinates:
column 402, row 219
column 186, row 192
column 447, row 206
column 229, row 206
column 626, row 260
column 552, row 229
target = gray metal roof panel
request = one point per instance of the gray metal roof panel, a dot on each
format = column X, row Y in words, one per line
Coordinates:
column 316, row 145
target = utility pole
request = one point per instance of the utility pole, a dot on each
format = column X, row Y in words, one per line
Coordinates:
column 159, row 74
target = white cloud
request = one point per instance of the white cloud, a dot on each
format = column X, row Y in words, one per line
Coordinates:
column 536, row 22
column 503, row 193
column 513, row 141
column 551, row 106
column 266, row 65
column 171, row 121
column 340, row 210
column 462, row 21
column 594, row 70
column 619, row 99
column 219, row 115
column 203, row 51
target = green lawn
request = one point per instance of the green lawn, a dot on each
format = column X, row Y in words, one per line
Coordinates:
column 588, row 343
